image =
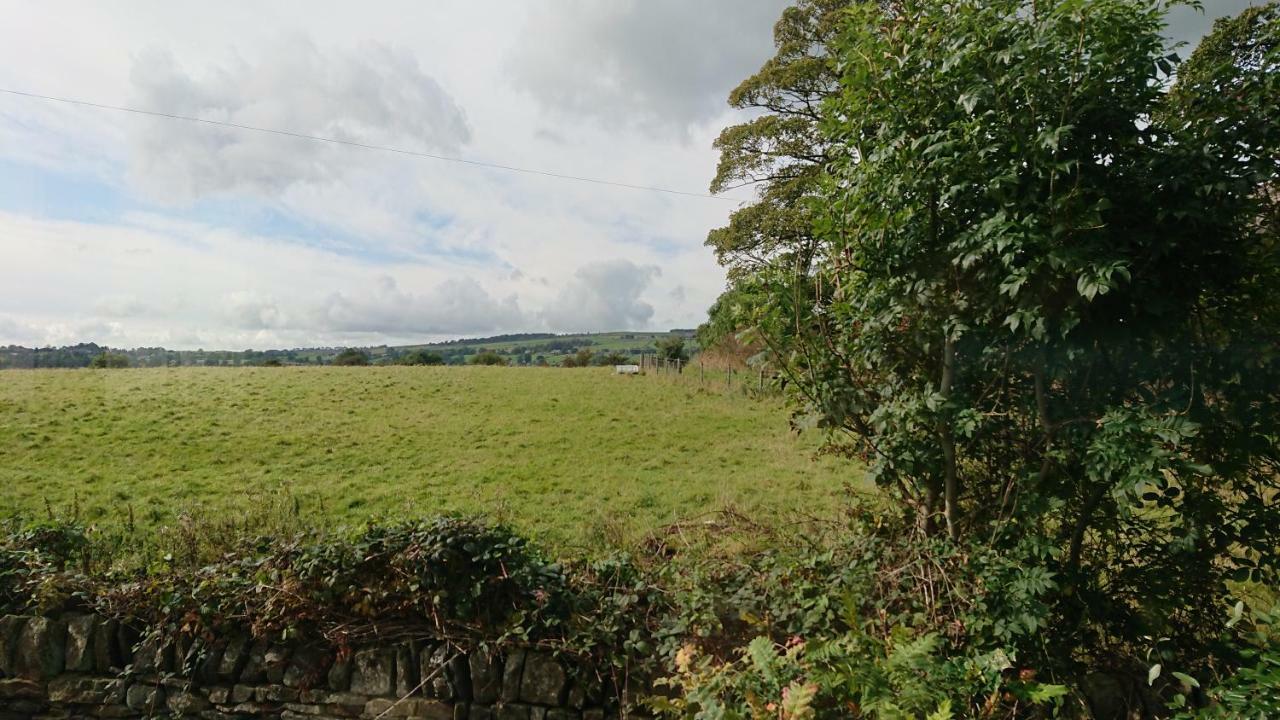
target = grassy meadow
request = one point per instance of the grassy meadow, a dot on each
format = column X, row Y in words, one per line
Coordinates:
column 566, row 456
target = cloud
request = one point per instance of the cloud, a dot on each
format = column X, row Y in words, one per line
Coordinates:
column 659, row 64
column 1188, row 25
column 249, row 310
column 373, row 94
column 118, row 306
column 201, row 286
column 603, row 296
column 457, row 305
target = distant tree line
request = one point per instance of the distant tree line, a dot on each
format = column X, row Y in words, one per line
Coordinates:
column 527, row 349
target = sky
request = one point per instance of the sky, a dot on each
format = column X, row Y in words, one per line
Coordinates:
column 130, row 230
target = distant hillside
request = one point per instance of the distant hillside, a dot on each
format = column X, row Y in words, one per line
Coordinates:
column 518, row 349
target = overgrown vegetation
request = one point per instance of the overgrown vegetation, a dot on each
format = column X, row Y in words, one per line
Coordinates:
column 1041, row 306
column 834, row 618
column 1008, row 257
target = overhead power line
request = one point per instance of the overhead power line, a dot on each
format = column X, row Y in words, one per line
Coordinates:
column 365, row 146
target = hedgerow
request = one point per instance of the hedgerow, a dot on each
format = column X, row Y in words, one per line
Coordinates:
column 867, row 620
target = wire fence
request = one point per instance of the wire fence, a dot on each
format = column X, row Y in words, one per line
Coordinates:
column 755, row 382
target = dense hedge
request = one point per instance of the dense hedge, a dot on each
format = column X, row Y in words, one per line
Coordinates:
column 868, row 624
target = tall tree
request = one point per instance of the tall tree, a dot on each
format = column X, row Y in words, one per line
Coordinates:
column 780, row 153
column 1044, row 302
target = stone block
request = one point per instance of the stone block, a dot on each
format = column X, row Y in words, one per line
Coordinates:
column 373, row 672
column 153, row 655
column 79, row 652
column 486, row 676
column 12, row 689
column 106, row 646
column 204, row 660
column 307, row 667
column 276, row 693
column 41, row 649
column 187, row 703
column 220, row 695
column 234, row 658
column 10, row 629
column 255, row 667
column 86, row 690
column 242, row 693
column 417, row 708
column 480, row 712
column 339, row 676
column 512, row 670
column 127, row 639
column 563, row 714
column 452, row 681
column 585, row 689
column 406, row 670
column 512, row 711
column 275, row 661
column 543, row 681
column 145, row 698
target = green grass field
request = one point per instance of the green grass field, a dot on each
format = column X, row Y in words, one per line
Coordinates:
column 568, row 456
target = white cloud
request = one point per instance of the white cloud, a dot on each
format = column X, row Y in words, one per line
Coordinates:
column 455, row 306
column 372, row 94
column 661, row 64
column 604, row 296
column 140, row 231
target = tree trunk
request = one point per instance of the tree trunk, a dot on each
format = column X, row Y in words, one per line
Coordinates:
column 950, row 482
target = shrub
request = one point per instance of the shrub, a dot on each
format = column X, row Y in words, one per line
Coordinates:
column 607, row 359
column 351, row 356
column 421, row 357
column 673, row 348
column 487, row 357
column 109, row 360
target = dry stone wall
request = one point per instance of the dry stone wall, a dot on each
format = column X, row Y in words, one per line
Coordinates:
column 85, row 666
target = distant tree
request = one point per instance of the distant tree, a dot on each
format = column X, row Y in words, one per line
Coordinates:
column 672, row 348
column 487, row 357
column 421, row 357
column 606, row 359
column 582, row 358
column 110, row 360
column 271, row 362
column 351, row 356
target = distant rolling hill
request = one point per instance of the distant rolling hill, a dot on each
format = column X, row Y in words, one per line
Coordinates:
column 517, row 349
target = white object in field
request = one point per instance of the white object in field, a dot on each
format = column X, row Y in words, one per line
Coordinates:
column 627, row 369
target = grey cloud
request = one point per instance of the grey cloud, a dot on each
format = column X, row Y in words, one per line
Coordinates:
column 653, row 63
column 603, row 296
column 456, row 306
column 373, row 94
column 251, row 311
column 119, row 306
column 1188, row 25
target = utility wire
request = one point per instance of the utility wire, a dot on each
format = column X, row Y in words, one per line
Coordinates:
column 366, row 146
